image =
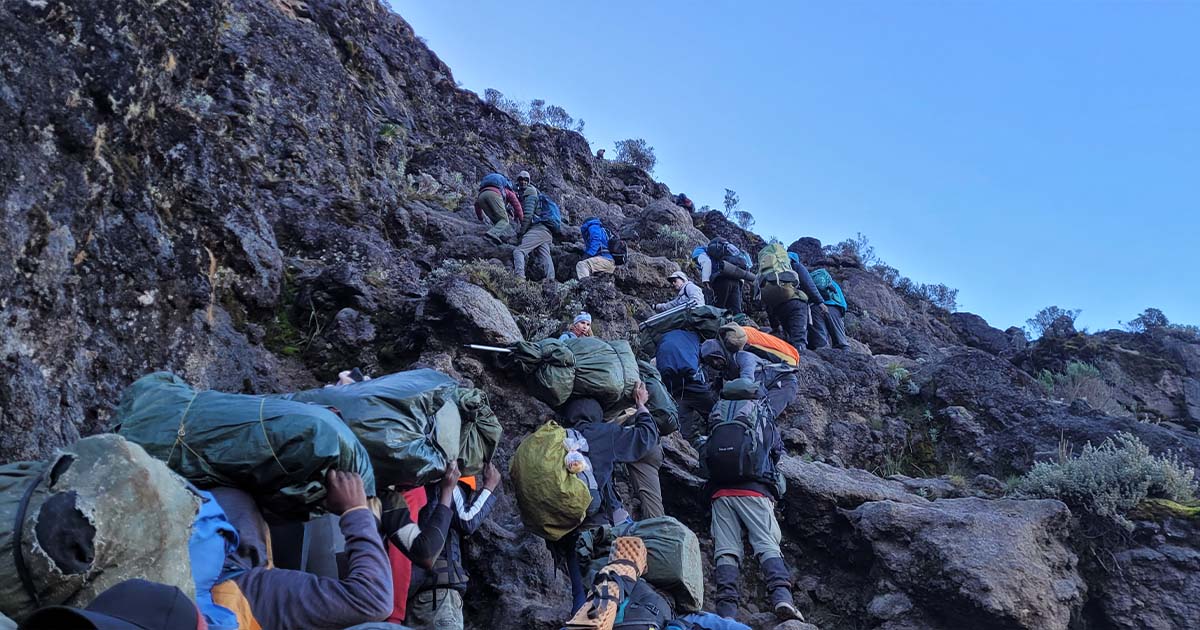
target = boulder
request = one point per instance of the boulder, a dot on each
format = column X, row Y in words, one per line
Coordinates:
column 481, row 317
column 976, row 563
column 810, row 251
column 976, row 332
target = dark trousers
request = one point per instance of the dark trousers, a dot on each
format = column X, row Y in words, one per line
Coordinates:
column 695, row 403
column 727, row 294
column 781, row 393
column 789, row 321
column 827, row 329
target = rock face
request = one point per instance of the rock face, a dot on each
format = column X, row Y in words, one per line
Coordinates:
column 974, row 562
column 258, row 194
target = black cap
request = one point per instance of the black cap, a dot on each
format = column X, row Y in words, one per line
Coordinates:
column 130, row 605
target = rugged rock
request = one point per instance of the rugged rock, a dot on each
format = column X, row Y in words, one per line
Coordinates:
column 478, row 314
column 976, row 563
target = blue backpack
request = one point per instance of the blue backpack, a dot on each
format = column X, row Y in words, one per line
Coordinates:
column 548, row 214
column 497, row 180
column 705, row 621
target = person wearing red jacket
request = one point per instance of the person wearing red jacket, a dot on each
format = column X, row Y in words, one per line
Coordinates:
column 495, row 193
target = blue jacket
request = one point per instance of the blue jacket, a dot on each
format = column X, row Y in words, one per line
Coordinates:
column 595, row 239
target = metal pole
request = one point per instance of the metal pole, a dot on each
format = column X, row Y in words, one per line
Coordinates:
column 690, row 304
column 473, row 346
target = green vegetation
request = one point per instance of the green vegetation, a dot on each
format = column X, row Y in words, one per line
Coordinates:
column 1110, row 480
column 636, row 152
column 1080, row 380
column 669, row 241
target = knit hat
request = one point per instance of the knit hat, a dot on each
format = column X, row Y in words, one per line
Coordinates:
column 523, row 175
column 733, row 337
column 583, row 316
column 678, row 274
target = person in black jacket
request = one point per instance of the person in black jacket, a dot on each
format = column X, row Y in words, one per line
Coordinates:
column 608, row 444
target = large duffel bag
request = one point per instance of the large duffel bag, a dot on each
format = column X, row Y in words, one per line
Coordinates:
column 101, row 512
column 275, row 449
column 553, row 501
column 411, row 421
column 674, row 563
column 703, row 320
column 584, row 367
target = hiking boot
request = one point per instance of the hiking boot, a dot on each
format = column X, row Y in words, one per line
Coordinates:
column 779, row 589
column 727, row 590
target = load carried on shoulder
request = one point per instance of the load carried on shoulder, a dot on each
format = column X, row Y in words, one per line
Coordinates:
column 553, row 480
column 584, row 367
column 278, row 450
column 673, row 561
column 414, row 423
column 703, row 320
column 619, row 597
column 100, row 512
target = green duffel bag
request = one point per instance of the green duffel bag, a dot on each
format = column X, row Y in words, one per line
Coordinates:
column 408, row 422
column 98, row 513
column 481, row 430
column 552, row 500
column 583, row 367
column 673, row 561
column 275, row 449
column 661, row 405
column 550, row 366
column 703, row 320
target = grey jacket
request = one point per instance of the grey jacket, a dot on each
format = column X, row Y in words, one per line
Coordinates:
column 689, row 292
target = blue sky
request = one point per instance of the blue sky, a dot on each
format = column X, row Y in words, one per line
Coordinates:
column 1026, row 153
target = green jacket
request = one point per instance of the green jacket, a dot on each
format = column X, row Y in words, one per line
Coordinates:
column 529, row 199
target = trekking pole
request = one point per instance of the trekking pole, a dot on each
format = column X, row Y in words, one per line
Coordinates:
column 487, row 348
column 690, row 304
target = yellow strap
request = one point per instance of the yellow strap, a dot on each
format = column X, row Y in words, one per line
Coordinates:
column 262, row 403
column 229, row 595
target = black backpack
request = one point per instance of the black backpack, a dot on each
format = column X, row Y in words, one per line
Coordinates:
column 721, row 250
column 616, row 246
column 642, row 608
column 738, row 448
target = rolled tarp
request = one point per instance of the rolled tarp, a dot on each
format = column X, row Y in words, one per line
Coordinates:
column 277, row 450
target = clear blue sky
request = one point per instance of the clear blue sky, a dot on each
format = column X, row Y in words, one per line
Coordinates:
column 1026, row 153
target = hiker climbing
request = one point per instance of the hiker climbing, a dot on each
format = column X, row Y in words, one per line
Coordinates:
column 542, row 220
column 739, row 459
column 597, row 258
column 435, row 598
column 682, row 201
column 787, row 290
column 687, row 292
column 678, row 360
column 581, row 326
column 267, row 597
column 730, row 268
column 497, row 203
column 827, row 327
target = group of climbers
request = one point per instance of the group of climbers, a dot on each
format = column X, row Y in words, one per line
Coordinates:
column 539, row 221
column 805, row 309
column 728, row 398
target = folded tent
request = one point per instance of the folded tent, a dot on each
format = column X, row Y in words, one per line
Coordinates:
column 276, row 449
column 411, row 421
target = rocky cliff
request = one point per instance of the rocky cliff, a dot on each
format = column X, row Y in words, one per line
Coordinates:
column 256, row 194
